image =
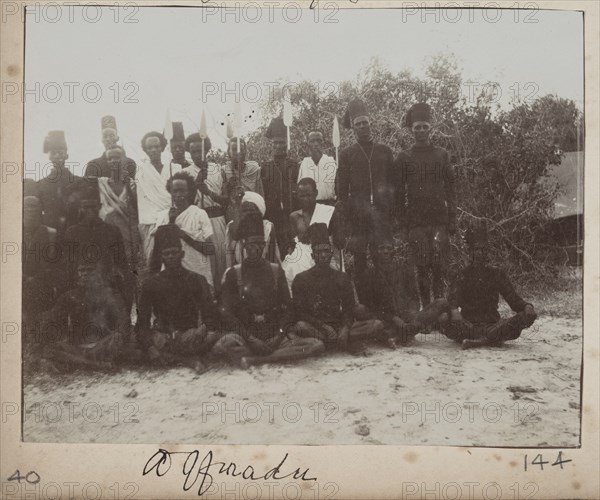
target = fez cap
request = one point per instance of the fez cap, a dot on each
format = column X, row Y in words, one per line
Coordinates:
column 276, row 129
column 319, row 235
column 167, row 236
column 108, row 121
column 55, row 140
column 355, row 108
column 178, row 134
column 420, row 112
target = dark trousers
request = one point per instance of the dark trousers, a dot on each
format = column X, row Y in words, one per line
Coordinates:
column 505, row 329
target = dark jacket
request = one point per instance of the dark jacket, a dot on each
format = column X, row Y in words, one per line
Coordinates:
column 279, row 179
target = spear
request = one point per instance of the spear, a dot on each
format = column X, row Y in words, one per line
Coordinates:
column 287, row 121
column 237, row 117
column 168, row 133
column 335, row 139
column 203, row 136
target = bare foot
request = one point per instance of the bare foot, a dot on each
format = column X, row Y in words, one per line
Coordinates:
column 245, row 363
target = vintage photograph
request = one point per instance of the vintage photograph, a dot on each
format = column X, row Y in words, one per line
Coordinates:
column 303, row 226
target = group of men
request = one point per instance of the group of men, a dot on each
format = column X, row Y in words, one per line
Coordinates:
column 246, row 262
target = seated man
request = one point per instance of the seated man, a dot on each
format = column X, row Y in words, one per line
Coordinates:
column 389, row 291
column 256, row 305
column 324, row 299
column 182, row 303
column 299, row 258
column 476, row 293
column 91, row 322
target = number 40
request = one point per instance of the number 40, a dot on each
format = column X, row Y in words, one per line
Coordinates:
column 538, row 460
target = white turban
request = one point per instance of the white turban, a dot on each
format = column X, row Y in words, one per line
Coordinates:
column 257, row 199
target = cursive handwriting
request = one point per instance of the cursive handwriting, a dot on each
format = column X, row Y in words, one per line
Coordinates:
column 160, row 462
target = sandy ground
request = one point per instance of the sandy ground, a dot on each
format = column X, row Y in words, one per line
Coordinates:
column 526, row 393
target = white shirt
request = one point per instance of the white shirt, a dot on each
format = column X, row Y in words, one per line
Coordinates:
column 152, row 195
column 323, row 174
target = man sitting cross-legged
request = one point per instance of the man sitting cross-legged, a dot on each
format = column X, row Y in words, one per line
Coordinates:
column 389, row 291
column 324, row 299
column 88, row 324
column 476, row 293
column 256, row 305
column 182, row 303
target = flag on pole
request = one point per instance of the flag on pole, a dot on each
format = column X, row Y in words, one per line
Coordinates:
column 229, row 129
column 168, row 133
column 335, row 137
column 203, row 133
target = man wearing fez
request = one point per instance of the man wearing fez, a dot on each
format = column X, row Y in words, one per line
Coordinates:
column 88, row 325
column 152, row 195
column 99, row 167
column 58, row 192
column 257, row 308
column 279, row 177
column 389, row 292
column 211, row 196
column 364, row 192
column 177, row 145
column 321, row 168
column 41, row 262
column 182, row 304
column 426, row 206
column 195, row 229
column 94, row 241
column 474, row 319
column 324, row 299
column 242, row 175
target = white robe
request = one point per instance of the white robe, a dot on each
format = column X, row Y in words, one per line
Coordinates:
column 323, row 174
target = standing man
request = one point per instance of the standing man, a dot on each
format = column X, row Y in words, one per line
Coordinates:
column 426, row 206
column 321, row 168
column 99, row 167
column 324, row 299
column 59, row 191
column 152, row 196
column 177, row 145
column 364, row 192
column 182, row 304
column 195, row 229
column 279, row 176
column 476, row 293
column 211, row 196
column 256, row 306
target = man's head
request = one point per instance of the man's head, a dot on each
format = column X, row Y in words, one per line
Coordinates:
column 307, row 193
column 178, row 143
column 86, row 273
column 32, row 212
column 232, row 150
column 320, row 245
column 253, row 204
column 277, row 133
column 315, row 143
column 418, row 119
column 182, row 189
column 153, row 144
column 253, row 237
column 168, row 243
column 356, row 117
column 193, row 144
column 385, row 252
column 114, row 157
column 89, row 205
column 110, row 136
column 55, row 146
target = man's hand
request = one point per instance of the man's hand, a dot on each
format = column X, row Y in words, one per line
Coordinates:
column 455, row 315
column 173, row 213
